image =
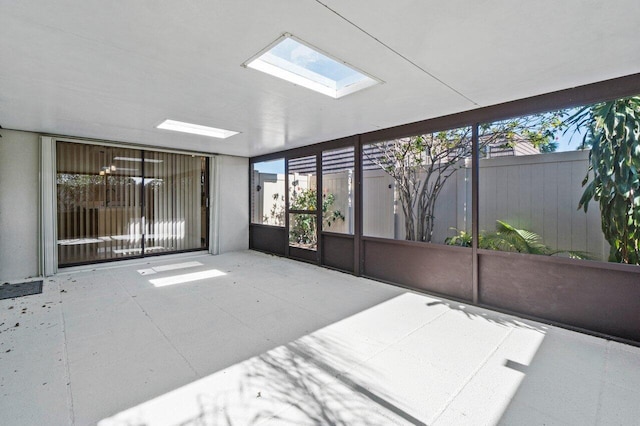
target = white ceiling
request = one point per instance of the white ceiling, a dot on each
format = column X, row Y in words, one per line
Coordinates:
column 113, row 70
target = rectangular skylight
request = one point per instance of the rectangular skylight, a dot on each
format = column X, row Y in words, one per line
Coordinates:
column 181, row 126
column 295, row 61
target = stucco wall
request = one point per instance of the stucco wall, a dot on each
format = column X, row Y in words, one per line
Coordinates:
column 19, row 205
column 234, row 203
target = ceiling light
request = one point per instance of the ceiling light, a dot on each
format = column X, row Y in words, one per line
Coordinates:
column 180, row 126
column 293, row 60
column 137, row 160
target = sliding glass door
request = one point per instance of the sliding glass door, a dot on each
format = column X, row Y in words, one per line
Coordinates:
column 173, row 207
column 117, row 203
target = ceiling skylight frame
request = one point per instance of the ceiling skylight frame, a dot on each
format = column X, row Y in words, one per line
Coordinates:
column 196, row 129
column 306, row 77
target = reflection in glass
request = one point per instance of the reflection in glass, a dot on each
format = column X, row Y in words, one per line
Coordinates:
column 173, row 202
column 104, row 213
column 98, row 203
column 267, row 193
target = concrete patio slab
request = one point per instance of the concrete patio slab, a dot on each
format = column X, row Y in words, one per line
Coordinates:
column 247, row 338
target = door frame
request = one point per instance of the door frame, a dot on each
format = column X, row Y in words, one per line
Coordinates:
column 48, row 216
column 312, row 256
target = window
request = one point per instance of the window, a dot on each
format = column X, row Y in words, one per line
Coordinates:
column 337, row 190
column 267, row 193
column 530, row 186
column 418, row 188
column 566, row 183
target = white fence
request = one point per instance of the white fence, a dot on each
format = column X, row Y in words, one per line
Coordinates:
column 539, row 193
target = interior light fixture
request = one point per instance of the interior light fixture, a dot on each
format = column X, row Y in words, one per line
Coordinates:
column 137, row 160
column 197, row 129
column 293, row 60
column 106, row 170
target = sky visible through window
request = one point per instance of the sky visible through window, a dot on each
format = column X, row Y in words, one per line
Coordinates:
column 274, row 166
column 568, row 141
column 305, row 57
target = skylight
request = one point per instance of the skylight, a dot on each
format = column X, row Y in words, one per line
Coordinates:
column 181, row 126
column 292, row 60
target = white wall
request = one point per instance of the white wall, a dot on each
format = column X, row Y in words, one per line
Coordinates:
column 20, row 195
column 233, row 224
column 19, row 205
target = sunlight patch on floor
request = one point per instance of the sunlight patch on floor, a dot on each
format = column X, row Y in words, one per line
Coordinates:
column 412, row 359
column 186, row 278
column 172, row 267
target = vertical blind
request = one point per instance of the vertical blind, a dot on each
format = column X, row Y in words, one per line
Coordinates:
column 173, row 202
column 118, row 202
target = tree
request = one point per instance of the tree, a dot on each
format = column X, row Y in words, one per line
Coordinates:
column 550, row 147
column 613, row 133
column 421, row 165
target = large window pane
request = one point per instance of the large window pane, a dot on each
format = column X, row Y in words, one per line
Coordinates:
column 337, row 190
column 268, row 192
column 99, row 202
column 104, row 213
column 419, row 188
column 531, row 173
column 173, row 202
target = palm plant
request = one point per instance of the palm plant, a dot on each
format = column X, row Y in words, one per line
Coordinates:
column 508, row 238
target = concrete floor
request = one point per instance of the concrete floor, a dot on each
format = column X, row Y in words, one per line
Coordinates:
column 246, row 338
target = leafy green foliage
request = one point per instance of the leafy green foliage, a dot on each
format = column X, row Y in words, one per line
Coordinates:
column 74, row 189
column 613, row 177
column 303, row 227
column 421, row 165
column 508, row 238
column 276, row 213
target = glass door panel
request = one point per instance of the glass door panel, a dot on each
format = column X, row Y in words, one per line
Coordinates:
column 303, row 231
column 98, row 203
column 173, row 192
column 302, row 207
column 118, row 203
